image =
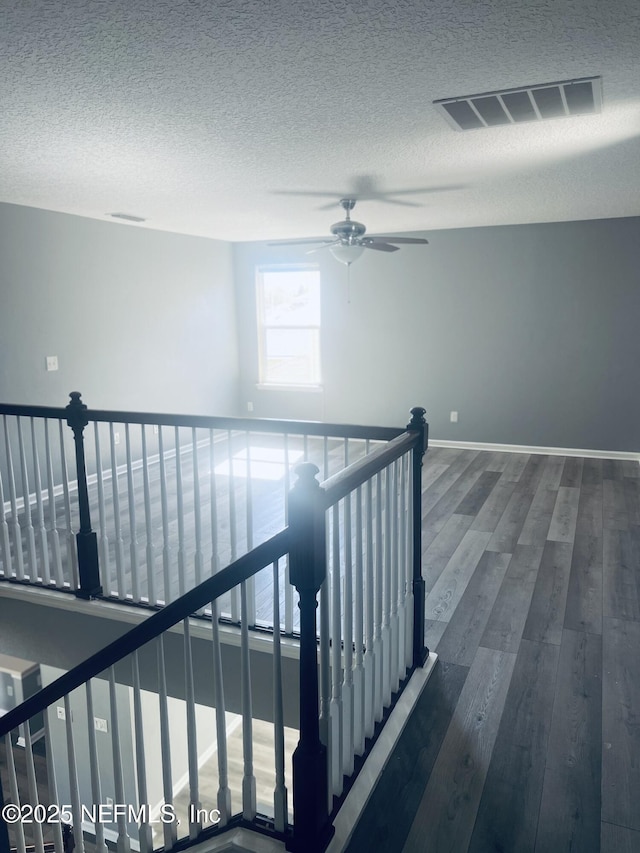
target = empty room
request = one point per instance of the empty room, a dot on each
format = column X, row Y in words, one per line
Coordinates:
column 319, row 426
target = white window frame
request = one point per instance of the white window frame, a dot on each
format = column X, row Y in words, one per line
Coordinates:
column 263, row 381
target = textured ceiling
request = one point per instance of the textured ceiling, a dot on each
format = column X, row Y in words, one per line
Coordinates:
column 198, row 114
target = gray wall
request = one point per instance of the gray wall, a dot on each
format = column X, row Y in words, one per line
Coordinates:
column 530, row 332
column 48, row 635
column 139, row 319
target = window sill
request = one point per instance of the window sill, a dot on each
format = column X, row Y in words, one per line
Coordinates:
column 313, row 389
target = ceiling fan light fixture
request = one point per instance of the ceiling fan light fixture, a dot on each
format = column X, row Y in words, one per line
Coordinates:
column 346, row 253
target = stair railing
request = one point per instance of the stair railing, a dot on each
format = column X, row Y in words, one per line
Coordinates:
column 158, row 501
column 144, row 663
column 353, row 543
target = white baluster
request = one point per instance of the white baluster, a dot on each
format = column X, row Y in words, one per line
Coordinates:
column 235, row 605
column 28, row 523
column 52, row 783
column 379, row 591
column 195, row 826
column 197, row 509
column 348, row 751
column 148, row 521
column 251, row 584
column 133, row 532
column 386, row 596
column 4, row 536
column 103, row 540
column 369, row 655
column 32, row 785
column 224, row 792
column 42, row 531
column 325, row 458
column 13, row 793
column 94, row 766
column 169, row 828
column 288, row 588
column 409, row 561
column 280, row 811
column 145, row 835
column 395, row 571
column 335, row 709
column 402, row 569
column 182, row 562
column 13, row 500
column 76, row 808
column 72, row 552
column 124, row 842
column 213, row 506
column 164, row 504
column 55, row 539
column 358, row 671
column 117, row 521
column 248, row 779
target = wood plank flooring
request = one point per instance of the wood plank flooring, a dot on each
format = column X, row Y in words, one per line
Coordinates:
column 527, row 737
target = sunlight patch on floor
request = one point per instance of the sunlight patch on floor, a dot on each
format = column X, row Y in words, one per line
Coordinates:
column 265, row 463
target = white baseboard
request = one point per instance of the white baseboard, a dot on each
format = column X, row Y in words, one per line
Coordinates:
column 357, row 798
column 546, row 451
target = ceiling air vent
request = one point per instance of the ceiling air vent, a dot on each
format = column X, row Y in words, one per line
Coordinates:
column 129, row 217
column 527, row 103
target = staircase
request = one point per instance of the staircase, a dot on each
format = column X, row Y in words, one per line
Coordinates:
column 315, row 621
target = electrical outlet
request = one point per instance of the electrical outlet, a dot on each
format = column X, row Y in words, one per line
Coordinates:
column 100, row 725
column 116, row 438
column 249, row 407
column 61, row 713
column 454, row 417
column 9, row 690
column 109, row 801
column 156, row 429
column 51, row 362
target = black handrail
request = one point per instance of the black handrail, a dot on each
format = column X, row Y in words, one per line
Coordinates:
column 317, row 428
column 170, row 615
column 33, row 411
column 343, row 482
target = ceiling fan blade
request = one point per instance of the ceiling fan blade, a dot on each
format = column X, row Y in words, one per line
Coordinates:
column 381, row 247
column 310, row 193
column 326, row 246
column 297, row 242
column 408, row 240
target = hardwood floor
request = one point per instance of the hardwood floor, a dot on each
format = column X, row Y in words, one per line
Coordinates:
column 526, row 737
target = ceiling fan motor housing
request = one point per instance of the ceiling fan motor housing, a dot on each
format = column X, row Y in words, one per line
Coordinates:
column 348, row 231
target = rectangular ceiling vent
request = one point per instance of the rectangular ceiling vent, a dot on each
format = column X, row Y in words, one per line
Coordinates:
column 527, row 103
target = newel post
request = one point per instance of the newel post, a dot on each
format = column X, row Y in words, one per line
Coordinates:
column 307, row 571
column 86, row 539
column 418, row 424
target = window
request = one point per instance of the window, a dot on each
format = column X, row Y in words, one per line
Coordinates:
column 289, row 325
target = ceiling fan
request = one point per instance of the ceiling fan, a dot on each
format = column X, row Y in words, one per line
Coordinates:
column 368, row 188
column 349, row 238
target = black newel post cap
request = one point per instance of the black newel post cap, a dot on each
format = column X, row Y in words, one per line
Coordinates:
column 419, row 424
column 306, row 473
column 417, row 418
column 76, row 412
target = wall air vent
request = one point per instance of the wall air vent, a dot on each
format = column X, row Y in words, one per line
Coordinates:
column 526, row 103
